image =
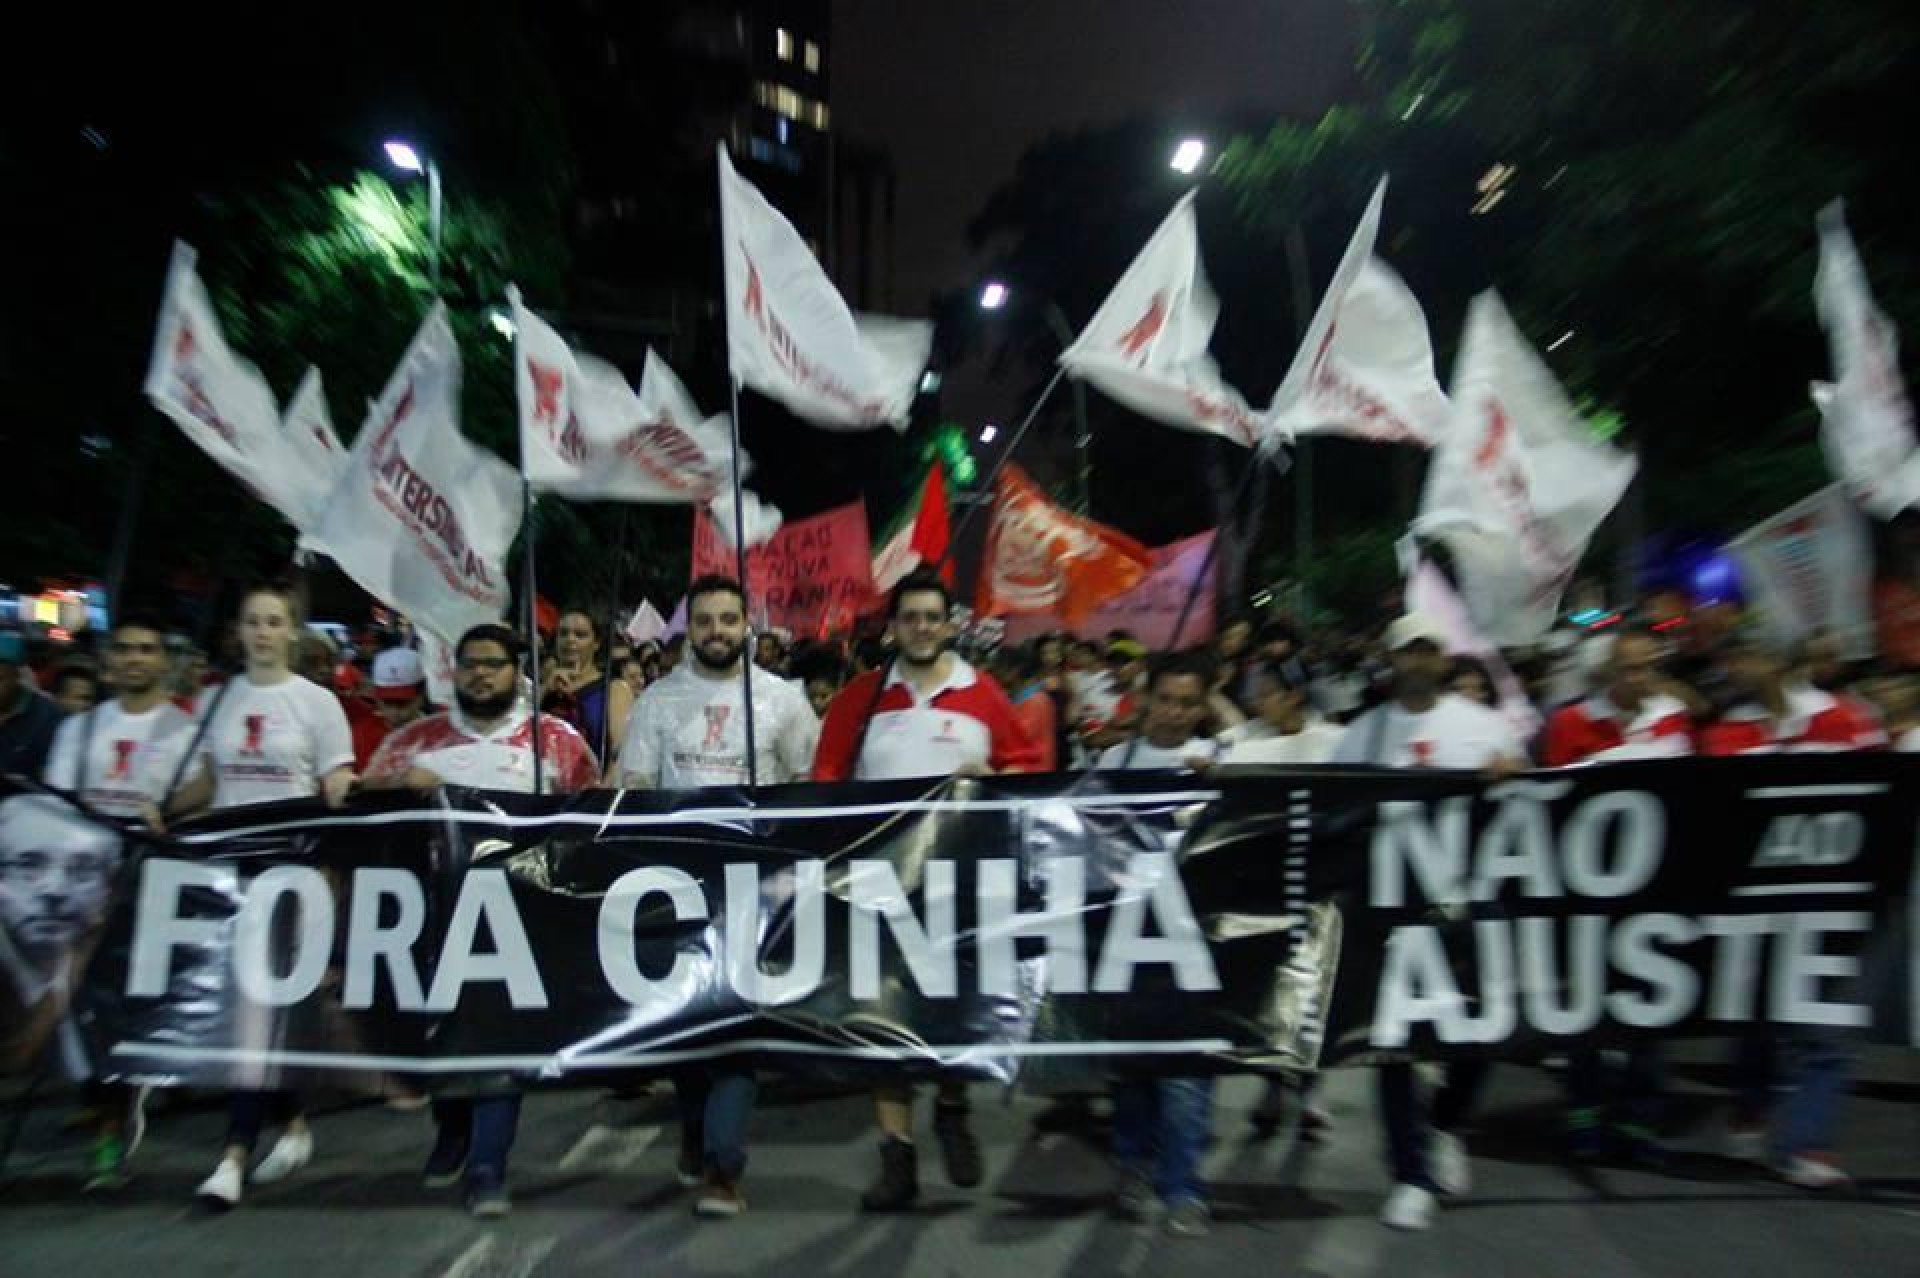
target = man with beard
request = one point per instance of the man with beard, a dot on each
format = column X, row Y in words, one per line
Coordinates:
column 687, row 730
column 484, row 741
column 928, row 713
column 1423, row 726
column 119, row 758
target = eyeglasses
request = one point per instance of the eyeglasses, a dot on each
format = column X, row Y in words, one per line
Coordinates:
column 472, row 665
column 920, row 619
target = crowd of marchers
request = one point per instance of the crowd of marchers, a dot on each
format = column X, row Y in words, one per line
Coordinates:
column 141, row 730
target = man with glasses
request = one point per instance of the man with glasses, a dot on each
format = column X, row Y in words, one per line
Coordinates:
column 484, row 741
column 927, row 713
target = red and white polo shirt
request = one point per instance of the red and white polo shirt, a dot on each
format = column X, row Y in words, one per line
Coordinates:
column 1598, row 731
column 1815, row 722
column 447, row 746
column 965, row 721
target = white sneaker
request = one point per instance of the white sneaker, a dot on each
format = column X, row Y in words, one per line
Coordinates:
column 1409, row 1207
column 221, row 1191
column 1814, row 1171
column 289, row 1154
column 1447, row 1162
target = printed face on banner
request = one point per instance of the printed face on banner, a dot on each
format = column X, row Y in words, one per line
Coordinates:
column 55, row 870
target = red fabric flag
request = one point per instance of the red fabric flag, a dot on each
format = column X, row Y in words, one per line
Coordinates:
column 1041, row 558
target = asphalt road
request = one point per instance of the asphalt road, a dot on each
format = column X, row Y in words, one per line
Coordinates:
column 594, row 1194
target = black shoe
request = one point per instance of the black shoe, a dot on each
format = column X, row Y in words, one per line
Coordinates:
column 959, row 1151
column 899, row 1182
column 690, row 1169
column 447, row 1161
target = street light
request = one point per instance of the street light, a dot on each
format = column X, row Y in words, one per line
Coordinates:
column 988, row 433
column 1187, row 156
column 404, row 157
column 993, row 296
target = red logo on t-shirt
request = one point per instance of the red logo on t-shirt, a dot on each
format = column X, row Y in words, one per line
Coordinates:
column 1422, row 752
column 256, row 725
column 122, row 759
column 716, row 726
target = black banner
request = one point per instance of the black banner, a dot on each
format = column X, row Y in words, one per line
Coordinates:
column 1047, row 930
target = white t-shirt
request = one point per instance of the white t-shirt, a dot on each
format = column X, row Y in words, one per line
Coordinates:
column 1148, row 756
column 689, row 730
column 1909, row 742
column 272, row 741
column 1256, row 741
column 130, row 758
column 1454, row 733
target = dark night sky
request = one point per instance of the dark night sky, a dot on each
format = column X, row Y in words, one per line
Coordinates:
column 956, row 92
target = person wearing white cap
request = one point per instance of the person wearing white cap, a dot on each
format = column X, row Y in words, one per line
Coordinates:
column 399, row 687
column 1423, row 726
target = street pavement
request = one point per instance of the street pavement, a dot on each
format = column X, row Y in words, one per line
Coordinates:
column 594, row 1194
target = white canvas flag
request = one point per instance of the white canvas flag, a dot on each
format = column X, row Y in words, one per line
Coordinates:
column 1866, row 419
column 677, row 620
column 646, row 625
column 762, row 520
column 789, row 333
column 422, row 519
column 319, row 456
column 218, row 399
column 1810, row 568
column 1147, row 344
column 586, row 434
column 1518, row 484
column 1365, row 367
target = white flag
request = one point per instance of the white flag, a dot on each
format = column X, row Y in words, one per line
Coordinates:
column 422, row 518
column 220, row 400
column 677, row 619
column 790, row 334
column 1810, row 568
column 319, row 456
column 585, row 433
column 1517, row 484
column 1365, row 367
column 646, row 625
column 1147, row 344
column 762, row 520
column 1866, row 419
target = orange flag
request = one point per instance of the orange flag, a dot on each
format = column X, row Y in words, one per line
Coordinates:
column 1040, row 558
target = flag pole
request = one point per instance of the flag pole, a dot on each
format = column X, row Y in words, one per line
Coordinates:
column 532, row 591
column 1006, row 455
column 1199, row 578
column 740, row 564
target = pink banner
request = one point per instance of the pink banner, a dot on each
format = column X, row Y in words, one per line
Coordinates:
column 1150, row 609
column 811, row 577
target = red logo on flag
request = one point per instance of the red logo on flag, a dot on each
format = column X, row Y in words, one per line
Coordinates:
column 753, row 301
column 184, row 345
column 1495, row 439
column 256, row 726
column 1134, row 341
column 122, row 759
column 547, row 382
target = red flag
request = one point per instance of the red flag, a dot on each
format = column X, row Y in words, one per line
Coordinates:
column 546, row 617
column 1040, row 558
column 920, row 536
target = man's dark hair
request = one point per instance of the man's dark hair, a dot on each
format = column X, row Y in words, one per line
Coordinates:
column 1176, row 664
column 919, row 582
column 491, row 632
column 137, row 619
column 714, row 583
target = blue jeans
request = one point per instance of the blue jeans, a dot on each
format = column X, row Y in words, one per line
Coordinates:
column 1629, row 1096
column 1804, row 1069
column 718, row 1105
column 1408, row 1119
column 1161, row 1127
column 491, row 1122
column 248, row 1112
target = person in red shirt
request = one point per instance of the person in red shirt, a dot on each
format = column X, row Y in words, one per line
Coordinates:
column 927, row 713
column 1632, row 716
column 485, row 741
column 1778, row 715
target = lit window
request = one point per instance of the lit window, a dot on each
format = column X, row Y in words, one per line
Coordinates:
column 812, row 58
column 783, row 44
column 817, row 115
